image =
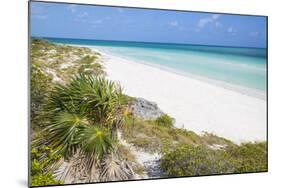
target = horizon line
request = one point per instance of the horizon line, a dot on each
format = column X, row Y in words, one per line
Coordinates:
column 169, row 43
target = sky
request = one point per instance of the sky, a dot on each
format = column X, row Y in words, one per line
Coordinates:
column 146, row 25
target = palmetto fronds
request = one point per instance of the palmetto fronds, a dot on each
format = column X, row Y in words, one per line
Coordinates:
column 63, row 130
column 114, row 169
column 97, row 97
column 83, row 117
column 95, row 141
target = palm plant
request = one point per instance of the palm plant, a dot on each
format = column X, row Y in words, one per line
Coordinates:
column 83, row 117
column 96, row 97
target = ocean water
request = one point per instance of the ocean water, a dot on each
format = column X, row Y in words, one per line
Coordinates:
column 246, row 67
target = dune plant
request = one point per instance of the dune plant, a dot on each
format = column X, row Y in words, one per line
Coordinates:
column 40, row 85
column 114, row 169
column 40, row 167
column 81, row 123
column 189, row 160
column 164, row 120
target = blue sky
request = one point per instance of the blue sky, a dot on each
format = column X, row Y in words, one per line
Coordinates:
column 146, row 25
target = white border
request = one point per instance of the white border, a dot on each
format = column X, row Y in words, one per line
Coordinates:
column 13, row 105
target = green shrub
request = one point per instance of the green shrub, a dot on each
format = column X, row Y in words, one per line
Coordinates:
column 188, row 160
column 41, row 159
column 44, row 180
column 249, row 157
column 40, row 86
column 164, row 120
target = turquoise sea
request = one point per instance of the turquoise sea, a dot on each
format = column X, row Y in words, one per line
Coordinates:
column 245, row 67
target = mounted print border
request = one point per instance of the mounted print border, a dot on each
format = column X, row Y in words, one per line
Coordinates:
column 129, row 93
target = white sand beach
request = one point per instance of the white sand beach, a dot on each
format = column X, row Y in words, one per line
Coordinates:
column 196, row 105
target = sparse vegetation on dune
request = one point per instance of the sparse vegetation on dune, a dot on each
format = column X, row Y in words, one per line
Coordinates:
column 61, row 62
column 152, row 135
column 188, row 160
column 185, row 153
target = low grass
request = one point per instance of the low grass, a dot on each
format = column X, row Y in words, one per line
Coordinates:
column 152, row 136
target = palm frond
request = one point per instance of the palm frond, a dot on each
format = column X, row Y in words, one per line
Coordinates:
column 63, row 130
column 95, row 141
column 114, row 169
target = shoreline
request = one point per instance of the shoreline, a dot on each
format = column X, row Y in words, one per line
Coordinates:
column 228, row 86
column 220, row 83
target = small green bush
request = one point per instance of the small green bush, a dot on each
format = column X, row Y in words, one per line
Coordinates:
column 188, row 160
column 43, row 180
column 40, row 174
column 249, row 157
column 164, row 120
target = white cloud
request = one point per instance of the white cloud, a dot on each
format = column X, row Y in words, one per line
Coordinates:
column 209, row 20
column 79, row 16
column 174, row 23
column 202, row 22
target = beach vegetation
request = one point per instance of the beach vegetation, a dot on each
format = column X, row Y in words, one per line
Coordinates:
column 190, row 160
column 150, row 136
column 82, row 118
column 40, row 86
column 164, row 120
column 64, row 61
column 249, row 157
column 185, row 153
column 41, row 166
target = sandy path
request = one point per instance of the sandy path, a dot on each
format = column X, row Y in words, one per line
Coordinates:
column 150, row 162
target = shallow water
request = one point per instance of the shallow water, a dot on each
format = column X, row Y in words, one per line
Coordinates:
column 244, row 67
